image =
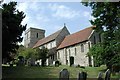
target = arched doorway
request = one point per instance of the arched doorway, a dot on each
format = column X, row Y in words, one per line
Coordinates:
column 71, row 60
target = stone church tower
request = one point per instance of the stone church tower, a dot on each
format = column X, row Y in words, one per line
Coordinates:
column 32, row 35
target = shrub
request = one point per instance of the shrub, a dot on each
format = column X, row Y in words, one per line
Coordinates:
column 82, row 67
column 78, row 65
column 57, row 63
column 116, row 67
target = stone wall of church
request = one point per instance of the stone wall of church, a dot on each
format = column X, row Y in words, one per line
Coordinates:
column 54, row 44
column 95, row 38
column 80, row 57
column 76, row 51
column 61, row 36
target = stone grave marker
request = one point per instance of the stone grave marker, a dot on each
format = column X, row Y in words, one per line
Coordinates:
column 107, row 74
column 64, row 74
column 82, row 76
column 100, row 74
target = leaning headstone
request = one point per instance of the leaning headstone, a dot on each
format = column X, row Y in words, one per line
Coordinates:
column 82, row 76
column 31, row 62
column 28, row 62
column 57, row 63
column 11, row 63
column 100, row 76
column 107, row 74
column 64, row 75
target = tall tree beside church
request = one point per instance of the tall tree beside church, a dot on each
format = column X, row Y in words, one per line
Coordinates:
column 12, row 29
column 42, row 54
column 107, row 22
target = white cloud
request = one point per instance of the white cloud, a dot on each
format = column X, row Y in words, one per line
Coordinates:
column 86, row 13
column 61, row 11
column 34, row 14
column 22, row 6
column 45, row 0
column 25, row 20
column 42, row 18
column 56, row 28
column 92, row 18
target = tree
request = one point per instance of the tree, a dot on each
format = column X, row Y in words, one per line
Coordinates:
column 30, row 55
column 12, row 29
column 27, row 53
column 107, row 23
column 20, row 50
column 97, row 51
column 42, row 54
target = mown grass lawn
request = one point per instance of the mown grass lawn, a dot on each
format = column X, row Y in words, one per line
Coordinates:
column 48, row 72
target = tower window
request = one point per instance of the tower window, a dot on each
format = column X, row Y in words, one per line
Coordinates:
column 37, row 35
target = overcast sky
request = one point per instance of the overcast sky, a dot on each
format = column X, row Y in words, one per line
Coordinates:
column 51, row 16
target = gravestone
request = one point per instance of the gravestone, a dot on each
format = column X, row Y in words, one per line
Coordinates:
column 21, row 61
column 82, row 76
column 31, row 62
column 64, row 74
column 107, row 74
column 28, row 62
column 57, row 63
column 100, row 76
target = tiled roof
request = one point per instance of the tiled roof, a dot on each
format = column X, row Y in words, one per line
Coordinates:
column 47, row 39
column 77, row 37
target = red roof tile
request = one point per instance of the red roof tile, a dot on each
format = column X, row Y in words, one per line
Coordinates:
column 77, row 37
column 47, row 39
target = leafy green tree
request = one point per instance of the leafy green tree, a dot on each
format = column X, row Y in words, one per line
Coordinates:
column 107, row 22
column 20, row 50
column 42, row 54
column 28, row 53
column 97, row 51
column 12, row 29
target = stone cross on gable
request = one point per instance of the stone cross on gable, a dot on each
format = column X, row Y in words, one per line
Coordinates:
column 64, row 24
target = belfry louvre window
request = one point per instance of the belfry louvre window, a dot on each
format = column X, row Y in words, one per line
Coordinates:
column 82, row 48
column 37, row 35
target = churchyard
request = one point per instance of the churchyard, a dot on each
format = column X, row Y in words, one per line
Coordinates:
column 19, row 72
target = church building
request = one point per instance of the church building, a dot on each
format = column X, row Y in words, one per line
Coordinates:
column 52, row 42
column 69, row 49
column 74, row 48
